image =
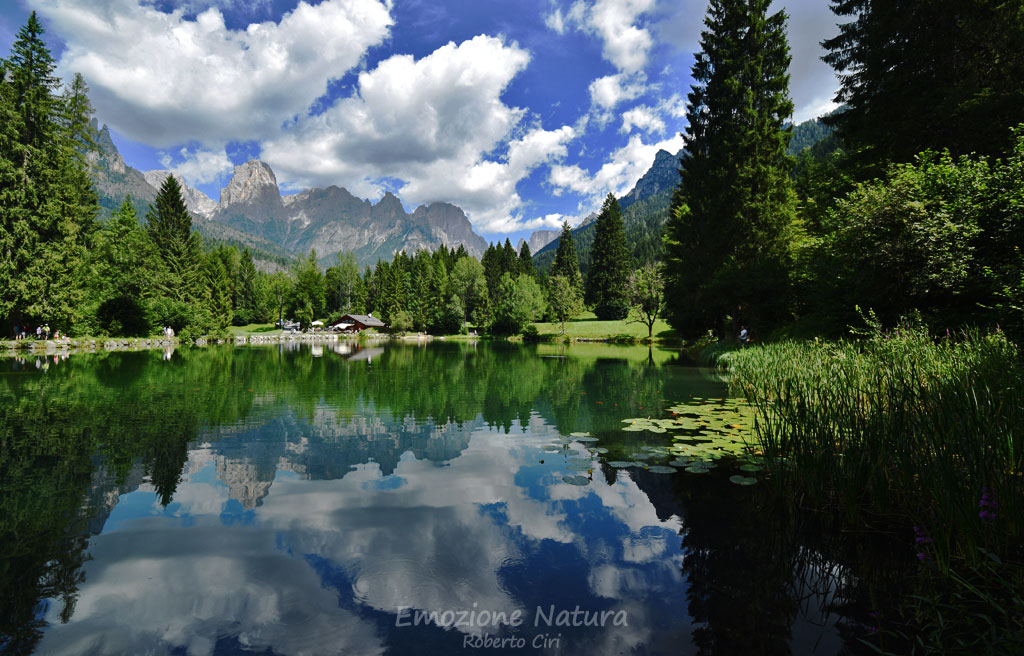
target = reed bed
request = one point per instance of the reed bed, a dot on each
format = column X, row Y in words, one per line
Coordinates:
column 925, row 434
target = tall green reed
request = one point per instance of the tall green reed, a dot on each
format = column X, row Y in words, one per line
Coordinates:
column 899, row 425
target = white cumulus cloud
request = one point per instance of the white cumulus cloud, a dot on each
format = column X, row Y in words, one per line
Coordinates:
column 608, row 91
column 644, row 118
column 199, row 166
column 163, row 79
column 626, row 42
column 431, row 123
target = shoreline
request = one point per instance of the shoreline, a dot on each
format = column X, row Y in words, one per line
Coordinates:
column 92, row 345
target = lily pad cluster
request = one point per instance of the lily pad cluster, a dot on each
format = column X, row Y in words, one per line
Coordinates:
column 703, row 433
column 579, row 461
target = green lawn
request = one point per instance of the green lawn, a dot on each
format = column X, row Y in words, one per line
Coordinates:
column 587, row 326
column 254, row 329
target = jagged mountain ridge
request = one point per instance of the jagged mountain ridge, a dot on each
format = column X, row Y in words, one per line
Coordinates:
column 251, row 212
column 330, row 220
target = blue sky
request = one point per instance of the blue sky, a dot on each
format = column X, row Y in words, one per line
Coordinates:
column 522, row 112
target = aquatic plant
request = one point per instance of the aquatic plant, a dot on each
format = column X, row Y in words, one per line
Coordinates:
column 901, row 425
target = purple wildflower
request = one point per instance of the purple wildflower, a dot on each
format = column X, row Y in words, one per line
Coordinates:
column 922, row 540
column 988, row 504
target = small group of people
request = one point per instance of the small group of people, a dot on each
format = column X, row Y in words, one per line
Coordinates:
column 168, row 331
column 42, row 332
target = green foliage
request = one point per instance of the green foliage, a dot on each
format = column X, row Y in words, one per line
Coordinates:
column 47, row 205
column 727, row 237
column 609, row 266
column 520, row 301
column 469, row 283
column 450, row 320
column 941, row 236
column 926, row 75
column 124, row 266
column 308, row 291
column 564, row 299
column 566, row 265
column 898, row 424
column 401, row 323
column 645, row 287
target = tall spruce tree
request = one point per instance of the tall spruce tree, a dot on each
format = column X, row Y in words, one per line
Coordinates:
column 920, row 74
column 526, row 260
column 566, row 263
column 170, row 228
column 47, row 216
column 727, row 233
column 608, row 275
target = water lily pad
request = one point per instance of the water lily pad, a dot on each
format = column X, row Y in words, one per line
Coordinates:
column 660, row 469
column 694, row 469
column 637, row 463
column 635, row 428
column 620, row 464
column 641, row 456
column 587, row 439
column 742, row 480
column 576, row 480
column 750, row 468
column 599, row 449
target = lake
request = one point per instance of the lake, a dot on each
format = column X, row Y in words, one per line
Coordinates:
column 361, row 498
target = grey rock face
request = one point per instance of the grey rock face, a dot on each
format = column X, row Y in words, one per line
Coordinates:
column 332, row 220
column 538, row 240
column 196, row 201
column 663, row 175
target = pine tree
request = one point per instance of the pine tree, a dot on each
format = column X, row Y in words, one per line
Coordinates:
column 566, row 263
column 607, row 277
column 218, row 289
column 170, row 228
column 247, row 291
column 526, row 261
column 919, row 75
column 48, row 213
column 727, row 233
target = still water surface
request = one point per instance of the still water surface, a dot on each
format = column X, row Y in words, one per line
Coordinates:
column 275, row 500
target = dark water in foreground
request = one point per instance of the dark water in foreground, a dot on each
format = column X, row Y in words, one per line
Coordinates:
column 312, row 501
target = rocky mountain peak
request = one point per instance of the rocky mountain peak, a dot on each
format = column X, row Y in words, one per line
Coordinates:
column 106, row 152
column 195, row 200
column 252, row 183
column 538, row 240
column 663, row 174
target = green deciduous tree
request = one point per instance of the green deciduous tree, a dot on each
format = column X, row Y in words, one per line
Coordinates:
column 122, row 280
column 520, row 301
column 726, row 239
column 308, row 291
column 609, row 265
column 564, row 299
column 645, row 293
column 470, row 285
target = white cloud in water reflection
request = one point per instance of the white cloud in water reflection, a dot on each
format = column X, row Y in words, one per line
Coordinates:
column 433, row 536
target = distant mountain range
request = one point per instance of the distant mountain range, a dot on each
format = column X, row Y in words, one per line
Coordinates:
column 251, row 212
column 645, row 207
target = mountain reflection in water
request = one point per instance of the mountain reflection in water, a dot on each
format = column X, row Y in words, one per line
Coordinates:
column 262, row 500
